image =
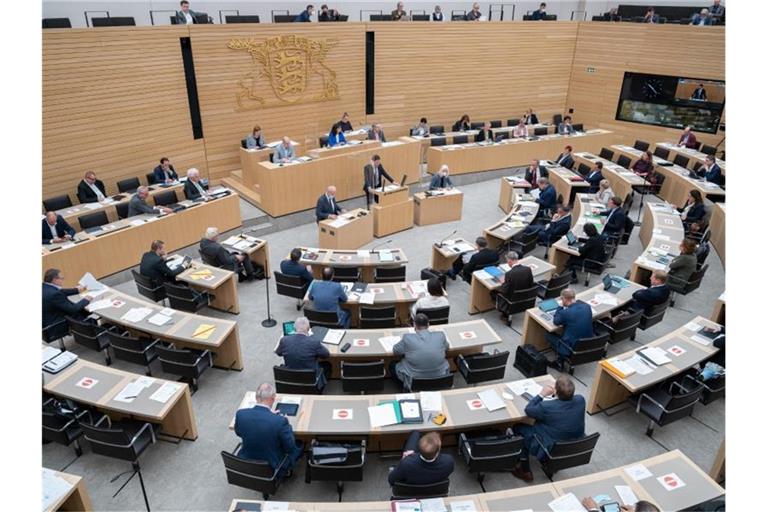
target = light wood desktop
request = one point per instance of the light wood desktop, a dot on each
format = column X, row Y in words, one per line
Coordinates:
column 220, row 283
column 717, row 230
column 350, row 147
column 718, row 311
column 366, row 260
column 584, row 212
column 480, row 293
column 567, row 183
column 610, row 389
column 661, row 233
column 122, row 247
column 75, row 499
column 519, row 217
column 257, row 249
column 445, row 252
column 349, row 230
column 393, row 211
column 441, row 206
column 692, row 155
column 508, row 189
column 175, row 416
column 621, row 180
column 249, row 157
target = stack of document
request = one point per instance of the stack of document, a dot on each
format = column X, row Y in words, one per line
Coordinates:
column 132, row 390
column 491, row 400
column 333, row 336
column 524, row 386
column 367, row 298
column 431, row 401
column 639, row 365
column 136, row 315
column 231, row 240
column 385, row 256
column 382, row 415
column 657, row 355
column 388, row 342
column 165, row 392
column 338, row 222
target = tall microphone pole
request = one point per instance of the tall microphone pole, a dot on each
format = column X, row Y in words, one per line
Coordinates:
column 269, row 321
column 440, row 244
column 373, row 249
column 642, row 196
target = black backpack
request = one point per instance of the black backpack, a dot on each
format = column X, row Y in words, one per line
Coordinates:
column 530, row 361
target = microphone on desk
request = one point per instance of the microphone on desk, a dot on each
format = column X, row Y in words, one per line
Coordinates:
column 440, row 243
column 373, row 249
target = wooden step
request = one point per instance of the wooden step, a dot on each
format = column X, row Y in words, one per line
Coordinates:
column 246, row 193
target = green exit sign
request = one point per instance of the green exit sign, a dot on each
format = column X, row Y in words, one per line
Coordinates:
column 591, row 70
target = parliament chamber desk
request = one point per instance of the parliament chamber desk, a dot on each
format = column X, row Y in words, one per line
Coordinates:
column 101, row 386
column 437, row 207
column 660, row 233
column 223, row 340
column 699, row 488
column 677, row 185
column 483, row 283
column 76, row 498
column 691, row 154
column 475, row 157
column 220, row 283
column 121, row 246
column 349, row 230
column 518, row 218
column 460, row 406
column 256, row 249
column 567, row 183
column 621, row 180
column 392, row 211
column 365, row 259
column 609, row 388
column 265, row 153
column 444, row 253
column 509, row 185
column 341, row 149
column 717, row 230
column 465, row 338
column 288, row 188
column 72, row 213
column 583, row 212
column 718, row 312
column 537, row 323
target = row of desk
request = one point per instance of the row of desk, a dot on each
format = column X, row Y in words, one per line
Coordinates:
column 694, row 155
column 660, row 233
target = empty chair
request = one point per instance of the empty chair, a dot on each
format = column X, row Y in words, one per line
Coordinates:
column 437, row 141
column 663, row 407
column 242, row 18
column 596, row 267
column 513, row 122
column 56, row 332
column 606, row 153
column 477, row 125
column 460, row 139
column 436, row 129
column 305, row 382
column 366, row 377
column 291, row 286
column 681, row 160
column 151, row 179
column 418, row 17
column 567, row 454
column 490, row 453
column 114, row 21
column 377, row 317
column 641, row 145
column 283, row 18
column 389, row 274
column 623, row 328
column 122, row 210
column 585, row 350
column 524, row 244
column 136, row 350
column 712, row 389
column 91, row 336
column 552, row 288
column 557, row 119
column 579, row 127
column 148, row 288
column 624, row 161
column 187, row 363
column 485, row 367
column 62, row 425
column 56, row 23
column 346, row 274
column 540, row 131
column 323, row 141
column 684, row 288
column 128, row 185
column 517, row 302
column 166, row 198
column 431, row 384
column 709, row 150
column 583, row 169
column 334, row 461
column 661, row 152
column 256, row 475
column 402, row 491
column 322, row 318
column 93, row 220
column 496, row 123
column 185, row 298
column 436, row 316
column 57, row 203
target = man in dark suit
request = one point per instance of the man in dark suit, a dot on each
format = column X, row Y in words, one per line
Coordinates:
column 165, row 173
column 486, row 134
column 327, row 295
column 547, row 197
column 327, row 14
column 556, row 229
column 701, row 19
column 710, row 171
column 575, row 317
column 153, row 264
column 215, row 253
column 687, row 139
column 186, row 16
column 615, row 218
column 91, row 190
column 56, row 305
column 193, row 187
column 717, row 12
column 476, row 261
column 292, row 267
column 301, row 352
column 56, row 229
column 518, row 277
column 327, row 207
column 376, row 133
column 534, row 172
column 561, row 419
column 700, row 93
column 565, row 159
column 138, row 204
column 267, row 435
column 594, row 177
column 306, row 15
column 422, row 463
column 593, row 250
column 656, row 294
column 565, row 128
column 373, row 172
column 540, row 13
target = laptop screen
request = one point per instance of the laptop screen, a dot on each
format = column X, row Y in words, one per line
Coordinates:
column 607, row 281
column 571, row 237
column 288, row 328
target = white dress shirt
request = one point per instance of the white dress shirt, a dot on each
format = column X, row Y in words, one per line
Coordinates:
column 99, row 195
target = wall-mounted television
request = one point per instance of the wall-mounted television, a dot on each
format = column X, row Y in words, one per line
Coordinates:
column 671, row 101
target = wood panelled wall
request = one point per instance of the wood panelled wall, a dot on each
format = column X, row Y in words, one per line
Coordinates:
column 613, row 48
column 114, row 101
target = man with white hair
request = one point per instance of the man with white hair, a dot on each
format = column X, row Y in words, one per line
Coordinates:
column 285, row 152
column 138, row 203
column 215, row 254
column 193, row 188
column 327, row 207
column 302, row 352
column 267, row 435
column 702, row 18
column 441, row 180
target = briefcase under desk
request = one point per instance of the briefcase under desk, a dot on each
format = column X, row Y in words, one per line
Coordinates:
column 393, row 213
column 436, row 209
column 355, row 233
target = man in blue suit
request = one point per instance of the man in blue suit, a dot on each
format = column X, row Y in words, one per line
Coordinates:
column 56, row 305
column 306, row 15
column 558, row 419
column 327, row 295
column 301, row 352
column 702, row 18
column 165, row 173
column 292, row 267
column 441, row 180
column 327, row 207
column 56, row 229
column 595, row 176
column 654, row 295
column 575, row 317
column 557, row 228
column 422, row 463
column 547, row 196
column 710, row 171
column 615, row 218
column 267, row 435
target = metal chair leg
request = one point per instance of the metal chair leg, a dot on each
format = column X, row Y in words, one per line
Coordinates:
column 143, row 489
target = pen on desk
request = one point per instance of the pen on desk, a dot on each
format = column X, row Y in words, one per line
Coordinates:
column 204, row 332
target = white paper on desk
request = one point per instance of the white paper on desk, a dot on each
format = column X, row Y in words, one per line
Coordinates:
column 165, row 392
column 433, row 505
column 464, row 247
column 363, row 254
column 607, row 298
column 242, row 245
column 54, row 487
column 274, row 506
column 431, row 401
column 92, row 206
column 144, row 382
column 405, row 396
column 524, row 386
column 136, row 315
column 231, row 240
column 701, row 340
column 333, row 336
column 504, row 267
column 407, row 506
column 638, row 364
column 129, row 393
column 136, row 222
column 388, row 342
column 566, row 503
column 638, row 472
column 159, row 319
column 99, row 304
column 622, row 366
column 382, row 415
column 651, row 263
column 463, row 506
column 657, row 354
column 693, row 326
column 385, row 255
column 338, row 222
column 625, row 494
column 491, row 400
column 49, row 353
column 367, row 298
column 90, row 283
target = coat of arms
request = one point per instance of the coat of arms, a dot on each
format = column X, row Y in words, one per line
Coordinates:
column 292, row 67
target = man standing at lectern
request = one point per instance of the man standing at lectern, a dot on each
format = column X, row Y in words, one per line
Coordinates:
column 372, row 174
column 327, row 207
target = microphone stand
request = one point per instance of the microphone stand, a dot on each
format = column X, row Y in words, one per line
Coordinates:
column 373, row 249
column 269, row 321
column 440, row 244
column 642, row 196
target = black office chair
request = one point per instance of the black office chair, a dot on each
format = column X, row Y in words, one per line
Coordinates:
column 291, row 286
column 346, row 274
column 123, row 440
column 402, row 491
column 185, row 298
column 328, row 319
column 596, row 267
column 702, row 252
column 606, row 153
column 661, row 152
column 304, row 382
column 431, row 384
column 684, row 288
column 365, row 377
column 323, row 141
column 256, row 475
column 490, row 453
column 523, row 243
column 517, row 302
column 709, row 150
column 133, row 349
column 436, row 129
column 56, row 331
column 567, row 454
column 93, row 220
column 166, row 198
column 624, row 161
column 460, row 139
column 61, row 424
column 437, row 141
column 242, row 18
column 151, row 180
column 91, row 336
column 540, row 131
column 389, row 274
column 148, row 288
column 557, row 119
column 122, row 210
column 437, row 316
column 513, row 122
column 56, row 23
column 187, row 363
column 623, row 328
column 114, row 21
column 57, row 203
column 583, row 169
column 477, row 126
column 377, row 317
column 128, row 186
column 496, row 123
column 697, row 166
column 345, row 464
column 641, row 145
column 552, row 288
column 663, row 407
column 712, row 389
column 585, row 350
column 653, row 315
column 550, row 17
column 208, row 260
column 681, row 160
column 283, row 18
column 484, row 367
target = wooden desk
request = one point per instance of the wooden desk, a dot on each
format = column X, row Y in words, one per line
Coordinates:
column 443, row 255
column 175, row 416
column 609, row 389
column 257, row 249
column 250, row 157
column 76, row 498
column 349, row 230
column 536, row 324
column 582, row 214
column 661, row 233
column 441, row 206
column 718, row 312
column 224, row 341
column 474, row 157
column 393, row 211
column 519, row 217
column 692, row 155
column 567, row 183
column 365, row 259
column 507, row 191
column 482, row 286
column 350, row 147
column 622, row 180
column 121, row 249
column 220, row 283
column 717, row 230
column 470, row 134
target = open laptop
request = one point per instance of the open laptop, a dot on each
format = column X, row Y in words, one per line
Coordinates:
column 609, row 285
column 573, row 241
